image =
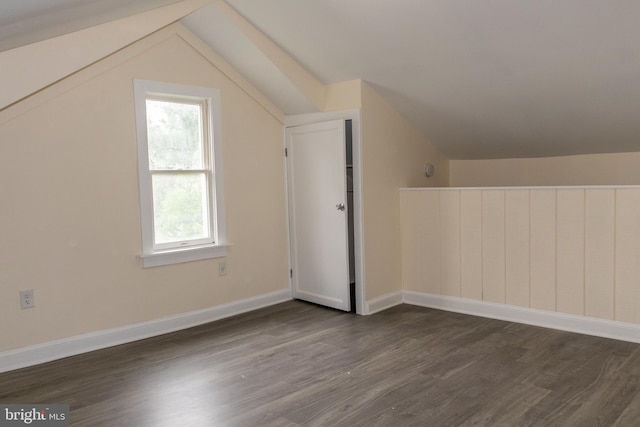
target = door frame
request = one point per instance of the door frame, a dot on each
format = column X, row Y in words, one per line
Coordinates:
column 354, row 116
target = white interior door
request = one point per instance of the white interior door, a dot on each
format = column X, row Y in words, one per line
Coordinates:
column 318, row 213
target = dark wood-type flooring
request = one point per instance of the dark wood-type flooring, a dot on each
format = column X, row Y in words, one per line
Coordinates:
column 299, row 364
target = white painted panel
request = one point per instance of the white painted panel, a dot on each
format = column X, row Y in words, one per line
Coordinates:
column 430, row 237
column 410, row 239
column 493, row 246
column 517, row 247
column 570, row 251
column 450, row 242
column 599, row 247
column 543, row 249
column 471, row 244
column 317, row 185
column 627, row 250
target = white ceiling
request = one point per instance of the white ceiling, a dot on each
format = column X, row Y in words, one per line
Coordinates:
column 480, row 79
column 214, row 27
column 27, row 21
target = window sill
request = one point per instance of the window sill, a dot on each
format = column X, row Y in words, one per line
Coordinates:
column 175, row 256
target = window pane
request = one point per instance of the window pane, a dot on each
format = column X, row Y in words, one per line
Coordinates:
column 180, row 207
column 174, row 134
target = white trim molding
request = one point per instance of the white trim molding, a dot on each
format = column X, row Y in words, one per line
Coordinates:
column 384, row 302
column 525, row 187
column 53, row 350
column 548, row 319
column 183, row 255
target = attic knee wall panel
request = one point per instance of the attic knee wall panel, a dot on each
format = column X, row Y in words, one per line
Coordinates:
column 517, row 247
column 627, row 256
column 493, row 246
column 542, row 250
column 430, row 241
column 571, row 250
column 411, row 244
column 599, row 253
column 471, row 244
column 449, row 202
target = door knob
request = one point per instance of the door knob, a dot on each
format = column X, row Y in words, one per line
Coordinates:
column 340, row 206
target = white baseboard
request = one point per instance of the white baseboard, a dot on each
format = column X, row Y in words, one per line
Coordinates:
column 53, row 350
column 548, row 319
column 383, row 302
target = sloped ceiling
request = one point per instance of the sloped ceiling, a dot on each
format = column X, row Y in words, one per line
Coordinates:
column 480, row 79
column 215, row 28
column 28, row 21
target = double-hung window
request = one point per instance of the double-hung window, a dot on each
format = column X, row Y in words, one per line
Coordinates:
column 180, row 172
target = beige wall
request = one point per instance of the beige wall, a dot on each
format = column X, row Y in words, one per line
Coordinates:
column 70, row 226
column 569, row 250
column 343, row 95
column 393, row 156
column 33, row 66
column 592, row 169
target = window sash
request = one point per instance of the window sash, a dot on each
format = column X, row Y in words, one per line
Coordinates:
column 206, row 143
column 207, row 210
column 206, row 153
column 215, row 245
column 206, row 134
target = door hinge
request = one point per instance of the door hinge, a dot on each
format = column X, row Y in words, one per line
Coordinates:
column 291, row 274
column 286, row 152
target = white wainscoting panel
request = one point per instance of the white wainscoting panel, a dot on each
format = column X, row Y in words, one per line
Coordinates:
column 450, row 242
column 542, row 249
column 517, row 247
column 627, row 256
column 430, row 241
column 570, row 250
column 470, row 244
column 493, row 246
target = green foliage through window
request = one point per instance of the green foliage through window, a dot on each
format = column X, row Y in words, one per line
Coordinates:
column 174, row 133
column 176, row 162
column 180, row 207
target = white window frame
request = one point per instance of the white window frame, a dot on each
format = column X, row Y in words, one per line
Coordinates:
column 190, row 250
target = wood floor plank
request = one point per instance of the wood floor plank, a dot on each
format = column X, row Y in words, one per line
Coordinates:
column 298, row 364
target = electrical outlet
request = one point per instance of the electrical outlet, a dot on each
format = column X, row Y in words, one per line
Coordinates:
column 26, row 299
column 222, row 268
